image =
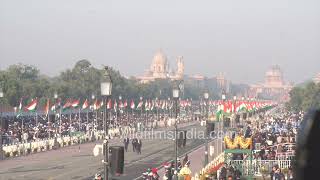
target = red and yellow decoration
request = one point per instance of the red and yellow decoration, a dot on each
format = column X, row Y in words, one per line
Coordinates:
column 239, row 142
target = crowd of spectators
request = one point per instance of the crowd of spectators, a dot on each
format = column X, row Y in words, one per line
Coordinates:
column 28, row 128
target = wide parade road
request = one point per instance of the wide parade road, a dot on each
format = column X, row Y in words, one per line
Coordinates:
column 74, row 163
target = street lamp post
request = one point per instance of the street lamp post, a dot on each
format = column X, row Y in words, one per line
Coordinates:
column 1, row 128
column 55, row 143
column 141, row 108
column 175, row 95
column 206, row 97
column 106, row 90
column 157, row 103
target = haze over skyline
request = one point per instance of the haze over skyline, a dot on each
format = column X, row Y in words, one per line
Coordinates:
column 241, row 38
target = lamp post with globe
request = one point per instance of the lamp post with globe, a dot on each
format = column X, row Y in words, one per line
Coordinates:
column 206, row 97
column 106, row 90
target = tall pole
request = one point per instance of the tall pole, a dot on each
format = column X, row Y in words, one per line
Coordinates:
column 37, row 124
column 21, row 123
column 221, row 122
column 176, row 142
column 60, row 119
column 106, row 88
column 96, row 121
column 70, row 123
column 49, row 124
column 87, row 119
column 79, row 120
column 206, row 160
column 105, row 144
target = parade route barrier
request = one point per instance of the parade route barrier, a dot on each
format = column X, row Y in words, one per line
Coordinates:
column 263, row 167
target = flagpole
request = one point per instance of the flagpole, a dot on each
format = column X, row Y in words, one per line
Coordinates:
column 103, row 117
column 146, row 116
column 37, row 124
column 60, row 119
column 116, row 114
column 79, row 121
column 127, row 115
column 157, row 114
column 70, row 122
column 87, row 119
column 48, row 125
column 96, row 121
column 132, row 116
column 21, row 124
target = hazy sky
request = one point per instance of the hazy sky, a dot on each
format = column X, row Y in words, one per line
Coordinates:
column 242, row 38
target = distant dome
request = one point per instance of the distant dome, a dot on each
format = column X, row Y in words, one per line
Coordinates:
column 159, row 58
column 274, row 71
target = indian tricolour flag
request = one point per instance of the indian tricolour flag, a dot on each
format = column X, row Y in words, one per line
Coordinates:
column 85, row 104
column 32, row 105
column 132, row 105
column 20, row 109
column 220, row 111
column 47, row 107
column 109, row 104
column 241, row 107
column 75, row 103
column 140, row 105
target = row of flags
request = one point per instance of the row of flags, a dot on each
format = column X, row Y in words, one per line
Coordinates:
column 229, row 107
column 148, row 105
column 226, row 107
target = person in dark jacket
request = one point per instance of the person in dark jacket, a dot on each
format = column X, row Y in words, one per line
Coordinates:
column 139, row 146
column 126, row 142
column 134, row 142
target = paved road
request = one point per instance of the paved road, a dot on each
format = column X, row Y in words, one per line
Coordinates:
column 72, row 163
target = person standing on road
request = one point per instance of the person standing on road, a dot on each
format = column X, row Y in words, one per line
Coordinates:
column 139, row 146
column 126, row 142
column 133, row 142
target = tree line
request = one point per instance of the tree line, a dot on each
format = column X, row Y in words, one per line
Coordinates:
column 81, row 81
column 305, row 97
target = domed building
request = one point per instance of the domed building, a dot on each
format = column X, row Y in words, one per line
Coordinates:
column 159, row 66
column 274, row 86
column 159, row 69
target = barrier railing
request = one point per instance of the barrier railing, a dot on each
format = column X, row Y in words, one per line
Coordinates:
column 261, row 167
